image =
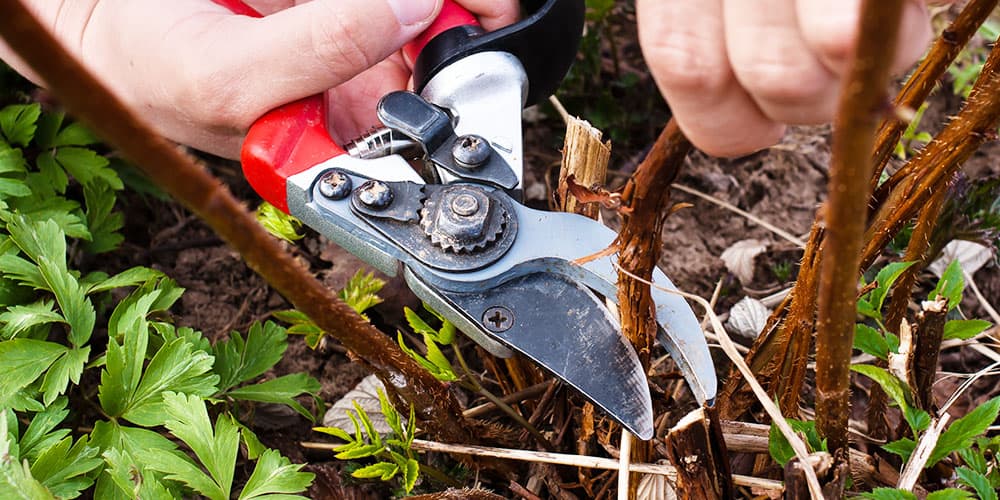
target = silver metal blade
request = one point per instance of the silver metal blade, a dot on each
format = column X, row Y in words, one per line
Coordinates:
column 566, row 329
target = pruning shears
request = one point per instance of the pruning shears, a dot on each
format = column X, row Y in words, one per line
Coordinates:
column 503, row 273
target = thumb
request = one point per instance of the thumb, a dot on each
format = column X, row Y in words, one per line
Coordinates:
column 310, row 48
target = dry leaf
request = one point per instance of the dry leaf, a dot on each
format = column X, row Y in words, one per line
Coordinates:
column 739, row 258
column 970, row 255
column 748, row 317
column 655, row 487
column 593, row 194
column 366, row 395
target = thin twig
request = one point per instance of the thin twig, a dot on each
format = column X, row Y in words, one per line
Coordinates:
column 562, row 459
column 985, row 304
column 747, row 215
column 624, row 461
column 965, row 386
column 911, row 472
column 729, row 347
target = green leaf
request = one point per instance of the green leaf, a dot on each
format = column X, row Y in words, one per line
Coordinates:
column 357, row 452
column 74, row 134
column 87, row 166
column 23, row 361
column 917, row 418
column 176, row 367
column 130, row 277
column 51, row 173
column 870, row 341
column 41, row 433
column 18, row 319
column 275, row 474
column 63, row 468
column 130, row 478
column 21, row 271
column 335, row 432
column 361, row 291
column 19, row 122
column 962, row 432
column 278, row 223
column 424, row 362
column 417, row 324
column 237, row 361
column 974, row 458
column 889, row 494
column 11, row 160
column 181, row 469
column 216, row 449
column 962, row 329
column 434, row 355
column 252, row 442
column 13, row 188
column 67, row 368
column 949, row 494
column 978, row 482
column 282, row 390
column 108, row 434
column 885, row 278
column 39, row 238
column 382, row 470
column 102, row 221
column 73, row 302
column 951, row 285
column 301, row 325
column 392, row 416
column 410, row 474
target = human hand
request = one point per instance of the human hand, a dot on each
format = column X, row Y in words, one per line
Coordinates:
column 202, row 75
column 735, row 72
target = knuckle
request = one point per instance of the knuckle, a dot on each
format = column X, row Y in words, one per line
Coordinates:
column 339, row 43
column 832, row 41
column 209, row 96
column 782, row 81
column 681, row 62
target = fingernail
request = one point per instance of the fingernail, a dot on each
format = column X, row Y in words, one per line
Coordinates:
column 413, row 11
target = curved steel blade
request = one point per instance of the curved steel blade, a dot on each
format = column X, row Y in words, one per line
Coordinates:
column 567, row 330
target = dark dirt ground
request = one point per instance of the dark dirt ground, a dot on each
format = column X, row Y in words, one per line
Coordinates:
column 783, row 185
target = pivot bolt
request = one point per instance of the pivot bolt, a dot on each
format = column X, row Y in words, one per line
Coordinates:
column 498, row 319
column 471, row 151
column 465, row 205
column 375, row 194
column 335, row 185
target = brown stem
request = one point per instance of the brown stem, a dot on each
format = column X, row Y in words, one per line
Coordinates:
column 924, row 78
column 178, row 174
column 862, row 97
column 934, row 167
column 647, row 194
column 696, row 447
column 916, row 252
column 927, row 338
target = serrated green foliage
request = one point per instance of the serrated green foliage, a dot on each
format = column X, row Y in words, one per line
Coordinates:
column 216, row 450
column 903, row 447
column 917, row 419
column 53, row 189
column 870, row 341
column 19, row 122
column 238, row 360
column 963, row 432
column 278, row 223
column 962, row 329
column 394, row 454
column 281, row 390
column 360, row 292
column 64, row 467
column 950, row 286
column 912, row 137
column 978, row 482
column 781, row 450
column 435, row 362
column 125, row 478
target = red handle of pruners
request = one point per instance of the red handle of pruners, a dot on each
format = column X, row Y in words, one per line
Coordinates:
column 294, row 137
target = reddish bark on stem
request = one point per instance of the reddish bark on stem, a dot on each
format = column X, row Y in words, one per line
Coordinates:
column 863, row 96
